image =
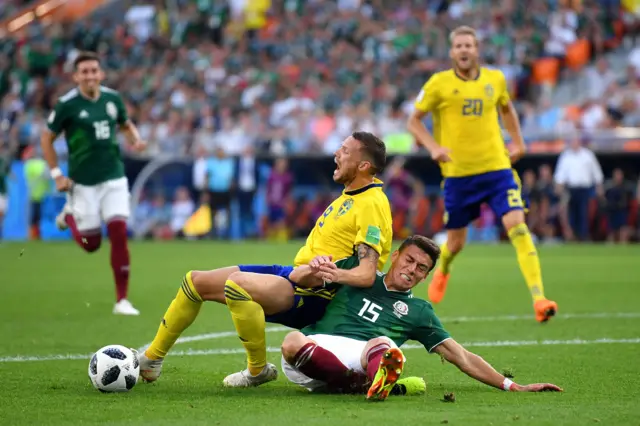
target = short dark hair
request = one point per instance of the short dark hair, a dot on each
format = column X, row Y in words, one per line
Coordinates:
column 374, row 148
column 425, row 244
column 85, row 56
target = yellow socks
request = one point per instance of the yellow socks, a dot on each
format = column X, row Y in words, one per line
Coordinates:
column 528, row 259
column 248, row 318
column 181, row 313
column 446, row 257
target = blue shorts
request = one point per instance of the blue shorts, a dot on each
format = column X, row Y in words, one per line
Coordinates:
column 463, row 196
column 308, row 306
column 276, row 214
column 617, row 219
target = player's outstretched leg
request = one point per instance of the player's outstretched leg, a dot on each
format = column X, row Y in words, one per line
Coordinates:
column 197, row 286
column 384, row 367
column 117, row 231
column 529, row 262
column 249, row 296
column 455, row 242
column 181, row 313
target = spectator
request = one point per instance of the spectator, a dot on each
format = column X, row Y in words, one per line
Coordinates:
column 4, row 172
column 200, row 171
column 618, row 196
column 279, row 187
column 247, row 183
column 531, row 193
column 220, row 173
column 579, row 171
column 599, row 79
column 404, row 192
column 160, row 225
column 553, row 207
column 38, row 180
column 181, row 210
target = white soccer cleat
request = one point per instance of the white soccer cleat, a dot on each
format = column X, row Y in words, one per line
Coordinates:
column 150, row 369
column 61, row 224
column 124, row 307
column 244, row 379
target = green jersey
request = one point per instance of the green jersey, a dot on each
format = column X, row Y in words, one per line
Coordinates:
column 367, row 313
column 90, row 128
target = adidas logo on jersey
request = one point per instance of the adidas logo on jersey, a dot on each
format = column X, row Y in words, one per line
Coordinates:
column 83, row 114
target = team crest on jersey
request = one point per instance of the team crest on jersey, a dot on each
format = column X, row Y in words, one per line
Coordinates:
column 112, row 111
column 345, row 207
column 400, row 309
column 488, row 90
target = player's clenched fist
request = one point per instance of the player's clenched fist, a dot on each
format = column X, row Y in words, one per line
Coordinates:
column 441, row 155
column 139, row 146
column 63, row 183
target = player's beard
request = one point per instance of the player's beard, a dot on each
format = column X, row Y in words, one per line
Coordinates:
column 345, row 176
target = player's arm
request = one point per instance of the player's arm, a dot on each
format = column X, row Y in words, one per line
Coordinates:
column 511, row 122
column 131, row 133
column 426, row 101
column 55, row 125
column 474, row 366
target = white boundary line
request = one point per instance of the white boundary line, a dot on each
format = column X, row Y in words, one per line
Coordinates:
column 222, row 334
column 225, row 351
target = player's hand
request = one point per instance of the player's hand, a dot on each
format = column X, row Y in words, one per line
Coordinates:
column 538, row 387
column 139, row 145
column 441, row 154
column 516, row 152
column 329, row 273
column 318, row 261
column 63, row 183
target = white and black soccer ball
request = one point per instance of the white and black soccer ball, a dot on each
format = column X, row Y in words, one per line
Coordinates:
column 114, row 368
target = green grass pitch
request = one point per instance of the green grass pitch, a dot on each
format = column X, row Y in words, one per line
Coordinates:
column 57, row 300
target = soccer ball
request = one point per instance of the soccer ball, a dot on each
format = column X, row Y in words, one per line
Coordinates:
column 114, row 368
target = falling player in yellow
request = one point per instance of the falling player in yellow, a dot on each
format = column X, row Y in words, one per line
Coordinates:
column 355, row 229
column 475, row 163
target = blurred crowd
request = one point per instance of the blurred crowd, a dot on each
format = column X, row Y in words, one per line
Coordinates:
column 225, row 80
column 297, row 76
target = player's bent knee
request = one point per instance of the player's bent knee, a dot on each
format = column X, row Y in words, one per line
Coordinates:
column 455, row 243
column 210, row 284
column 513, row 219
column 292, row 344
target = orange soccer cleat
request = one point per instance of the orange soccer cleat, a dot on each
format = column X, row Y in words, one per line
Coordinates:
column 438, row 286
column 545, row 309
column 389, row 372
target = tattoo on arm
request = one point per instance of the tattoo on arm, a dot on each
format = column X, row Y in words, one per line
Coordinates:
column 366, row 252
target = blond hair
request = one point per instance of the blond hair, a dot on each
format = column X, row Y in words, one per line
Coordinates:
column 463, row 30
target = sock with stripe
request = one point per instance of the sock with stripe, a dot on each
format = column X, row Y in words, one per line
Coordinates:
column 248, row 319
column 373, row 359
column 446, row 257
column 528, row 259
column 318, row 363
column 181, row 313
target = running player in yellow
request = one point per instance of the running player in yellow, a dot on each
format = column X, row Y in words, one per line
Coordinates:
column 355, row 229
column 476, row 166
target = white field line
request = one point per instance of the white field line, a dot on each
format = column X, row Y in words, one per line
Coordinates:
column 224, row 351
column 219, row 335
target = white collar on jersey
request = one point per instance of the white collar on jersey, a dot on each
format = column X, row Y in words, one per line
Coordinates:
column 392, row 291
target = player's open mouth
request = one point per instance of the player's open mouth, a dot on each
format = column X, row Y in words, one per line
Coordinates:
column 406, row 277
column 337, row 170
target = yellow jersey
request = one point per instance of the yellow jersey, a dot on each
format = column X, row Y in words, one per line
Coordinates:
column 361, row 216
column 465, row 120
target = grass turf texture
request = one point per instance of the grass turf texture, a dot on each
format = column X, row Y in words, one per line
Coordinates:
column 58, row 300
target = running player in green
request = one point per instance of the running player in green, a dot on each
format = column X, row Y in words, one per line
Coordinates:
column 97, row 189
column 359, row 335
